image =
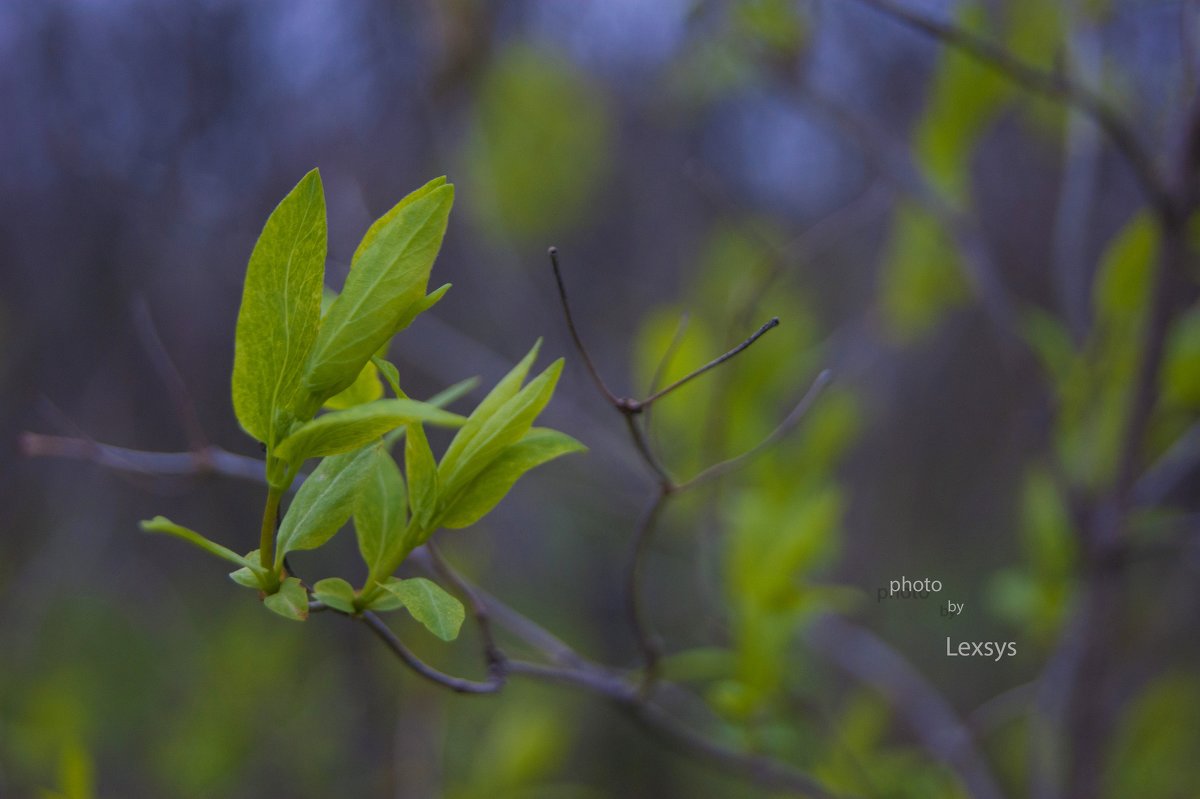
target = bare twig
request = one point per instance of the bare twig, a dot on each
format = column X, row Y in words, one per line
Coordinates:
column 583, row 352
column 212, row 460
column 715, row 362
column 648, row 643
column 456, row 684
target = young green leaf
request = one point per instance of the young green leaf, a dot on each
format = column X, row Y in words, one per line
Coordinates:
column 281, row 309
column 379, row 224
column 290, row 601
column 367, row 387
column 390, row 373
column 477, row 498
column 421, row 469
column 389, row 276
column 507, row 425
column 429, row 604
column 383, row 601
column 252, row 575
column 421, row 306
column 342, row 431
column 503, row 391
column 246, row 576
column 380, row 515
column 336, row 593
column 323, row 503
column 161, row 524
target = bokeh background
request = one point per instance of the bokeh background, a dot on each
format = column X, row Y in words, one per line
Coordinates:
column 971, row 261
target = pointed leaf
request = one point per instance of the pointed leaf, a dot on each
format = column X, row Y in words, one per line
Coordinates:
column 429, row 604
column 367, row 387
column 379, row 224
column 503, row 391
column 342, row 431
column 336, row 593
column 538, row 446
column 323, row 503
column 290, row 601
column 161, row 524
column 245, row 576
column 391, row 374
column 506, row 426
column 388, row 277
column 380, row 515
column 421, row 306
column 421, row 469
column 281, row 309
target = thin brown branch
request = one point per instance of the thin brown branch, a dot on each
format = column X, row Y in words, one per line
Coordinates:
column 642, row 444
column 1053, row 85
column 647, row 641
column 583, row 352
column 931, row 718
column 772, row 323
column 212, row 460
column 456, row 684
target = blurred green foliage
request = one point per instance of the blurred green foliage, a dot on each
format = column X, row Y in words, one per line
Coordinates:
column 540, row 144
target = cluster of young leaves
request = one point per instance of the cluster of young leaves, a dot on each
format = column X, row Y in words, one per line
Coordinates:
column 300, row 348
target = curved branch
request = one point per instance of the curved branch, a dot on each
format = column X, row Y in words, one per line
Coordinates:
column 1052, row 85
column 932, row 719
column 456, row 684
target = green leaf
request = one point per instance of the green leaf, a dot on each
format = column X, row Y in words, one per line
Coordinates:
column 246, row 576
column 429, row 604
column 391, row 374
column 323, row 503
column 1122, row 285
column 383, row 601
column 507, row 425
column 281, row 310
column 336, row 593
column 380, row 515
column 342, row 431
column 540, row 144
column 290, row 601
column 538, row 446
column 421, row 469
column 161, row 524
column 505, row 390
column 1181, row 365
column 252, row 575
column 922, row 277
column 388, row 278
column 379, row 224
column 421, row 306
column 367, row 387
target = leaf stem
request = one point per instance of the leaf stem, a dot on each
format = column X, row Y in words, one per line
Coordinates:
column 266, row 540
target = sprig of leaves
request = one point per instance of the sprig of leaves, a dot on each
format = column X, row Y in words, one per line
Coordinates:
column 300, row 348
